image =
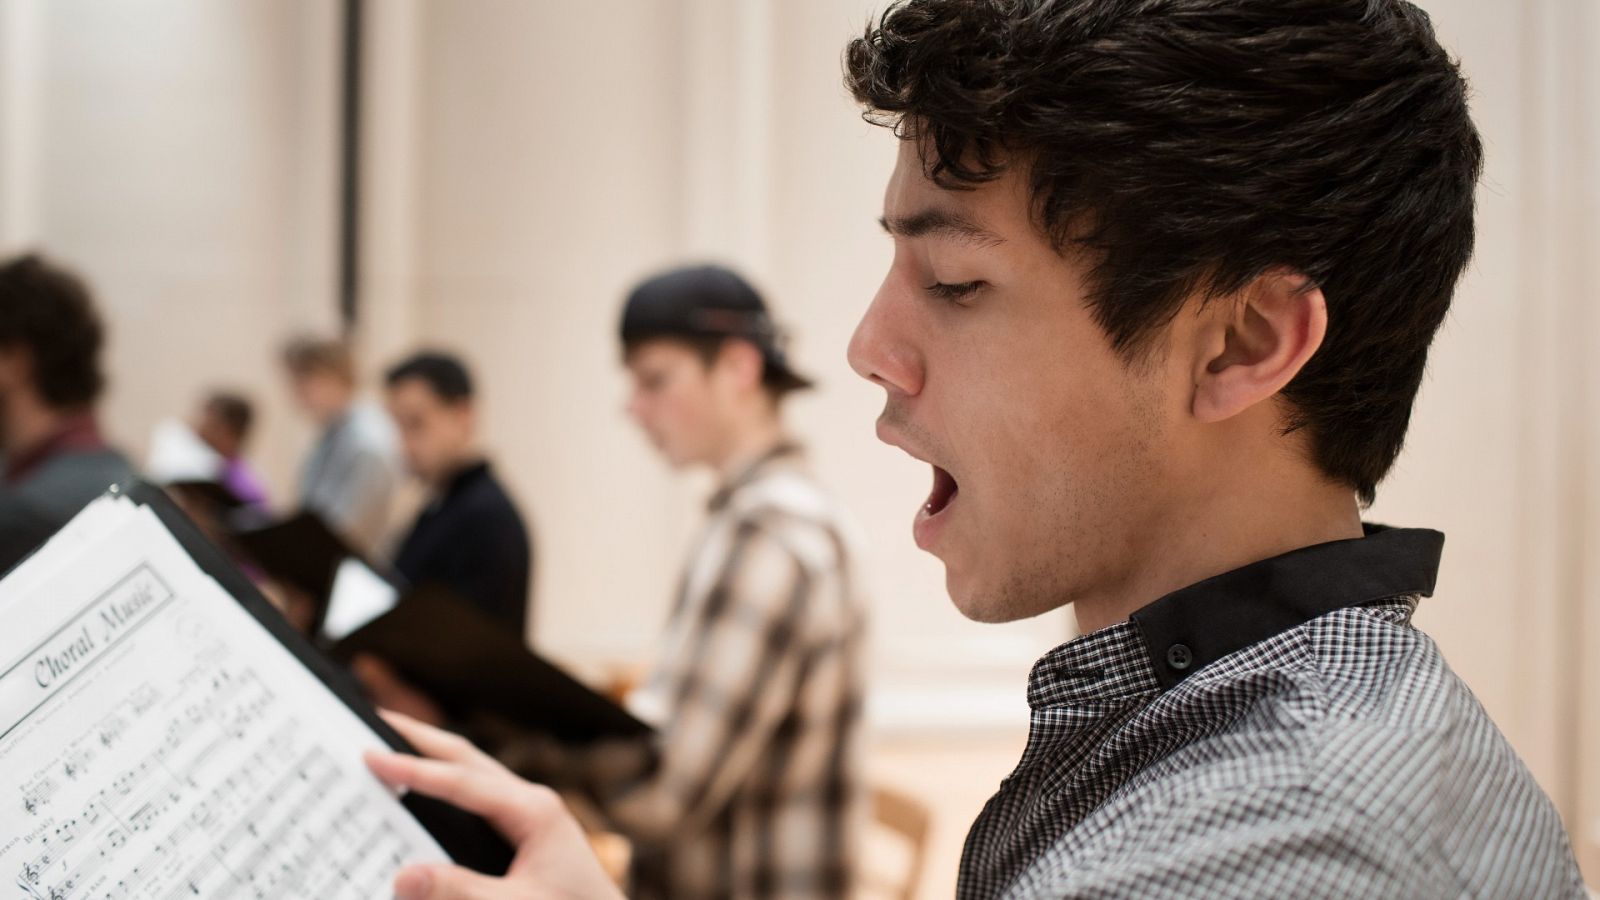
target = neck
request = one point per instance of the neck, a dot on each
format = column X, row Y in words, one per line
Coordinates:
column 1248, row 515
column 748, row 444
column 337, row 410
column 29, row 422
column 447, row 474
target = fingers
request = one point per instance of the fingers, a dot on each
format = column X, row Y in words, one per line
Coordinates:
column 435, row 742
column 448, row 883
column 461, row 774
column 513, row 806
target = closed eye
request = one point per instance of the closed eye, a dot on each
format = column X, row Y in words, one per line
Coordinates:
column 954, row 293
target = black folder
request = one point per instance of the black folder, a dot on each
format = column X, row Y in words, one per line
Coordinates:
column 467, row 661
column 468, row 839
column 213, row 494
column 300, row 551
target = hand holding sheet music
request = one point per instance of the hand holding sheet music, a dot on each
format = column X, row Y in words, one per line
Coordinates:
column 157, row 742
column 553, row 856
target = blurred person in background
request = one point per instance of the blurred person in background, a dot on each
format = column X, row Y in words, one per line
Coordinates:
column 1165, row 276
column 751, row 785
column 469, row 538
column 350, row 475
column 757, row 689
column 224, row 422
column 55, row 457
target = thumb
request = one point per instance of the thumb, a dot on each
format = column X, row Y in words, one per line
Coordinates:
column 441, row 882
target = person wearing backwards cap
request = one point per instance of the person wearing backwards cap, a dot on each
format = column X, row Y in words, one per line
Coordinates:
column 757, row 689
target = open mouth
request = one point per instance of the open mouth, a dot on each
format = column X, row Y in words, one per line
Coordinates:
column 944, row 491
column 934, row 515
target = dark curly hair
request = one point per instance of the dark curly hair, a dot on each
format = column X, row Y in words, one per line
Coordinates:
column 48, row 311
column 1190, row 145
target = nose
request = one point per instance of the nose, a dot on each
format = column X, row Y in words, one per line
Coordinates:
column 882, row 350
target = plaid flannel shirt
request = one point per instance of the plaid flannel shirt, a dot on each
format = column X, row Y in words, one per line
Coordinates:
column 759, row 692
column 1278, row 731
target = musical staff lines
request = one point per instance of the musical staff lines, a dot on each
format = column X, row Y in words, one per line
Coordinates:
column 172, row 749
column 220, row 807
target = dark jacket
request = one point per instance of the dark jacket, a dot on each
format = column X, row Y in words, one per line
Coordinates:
column 472, row 541
column 44, row 488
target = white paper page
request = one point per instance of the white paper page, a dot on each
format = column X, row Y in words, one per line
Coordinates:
column 157, row 742
column 178, row 454
column 359, row 595
column 101, row 517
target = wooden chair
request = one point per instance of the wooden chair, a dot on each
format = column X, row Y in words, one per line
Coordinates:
column 909, row 820
column 614, row 850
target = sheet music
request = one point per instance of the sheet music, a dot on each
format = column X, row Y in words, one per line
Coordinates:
column 157, row 743
column 178, row 454
column 359, row 595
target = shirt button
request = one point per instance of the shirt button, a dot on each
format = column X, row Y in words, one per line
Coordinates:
column 1180, row 657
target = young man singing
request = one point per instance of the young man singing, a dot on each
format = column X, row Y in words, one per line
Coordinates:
column 1165, row 277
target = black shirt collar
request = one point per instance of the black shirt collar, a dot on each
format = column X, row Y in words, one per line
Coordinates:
column 1200, row 624
column 462, row 477
column 468, row 473
column 1190, row 628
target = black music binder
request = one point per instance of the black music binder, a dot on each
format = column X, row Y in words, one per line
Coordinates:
column 467, row 661
column 465, row 837
column 214, row 495
column 301, row 551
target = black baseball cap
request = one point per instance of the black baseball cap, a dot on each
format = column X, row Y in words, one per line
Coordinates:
column 709, row 302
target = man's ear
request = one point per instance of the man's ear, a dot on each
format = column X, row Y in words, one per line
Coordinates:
column 1255, row 342
column 742, row 360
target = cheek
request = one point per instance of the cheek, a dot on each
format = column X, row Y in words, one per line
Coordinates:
column 676, row 414
column 1092, row 477
column 646, row 405
column 423, row 445
column 1050, row 440
column 436, row 441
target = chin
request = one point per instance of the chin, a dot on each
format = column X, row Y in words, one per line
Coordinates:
column 976, row 603
column 995, row 604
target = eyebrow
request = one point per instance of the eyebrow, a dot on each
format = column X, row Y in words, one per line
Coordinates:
column 940, row 223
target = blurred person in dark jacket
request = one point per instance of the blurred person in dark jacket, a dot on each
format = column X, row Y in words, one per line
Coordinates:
column 470, row 537
column 55, row 458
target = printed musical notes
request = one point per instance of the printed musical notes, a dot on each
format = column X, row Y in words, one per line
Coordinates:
column 190, row 757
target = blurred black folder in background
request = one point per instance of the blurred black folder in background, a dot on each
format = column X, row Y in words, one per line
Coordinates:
column 213, row 496
column 300, row 551
column 467, row 662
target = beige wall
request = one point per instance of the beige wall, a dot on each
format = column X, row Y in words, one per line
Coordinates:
column 528, row 160
column 179, row 152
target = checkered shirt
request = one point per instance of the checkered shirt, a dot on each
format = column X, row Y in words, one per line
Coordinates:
column 1279, row 731
column 759, row 692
